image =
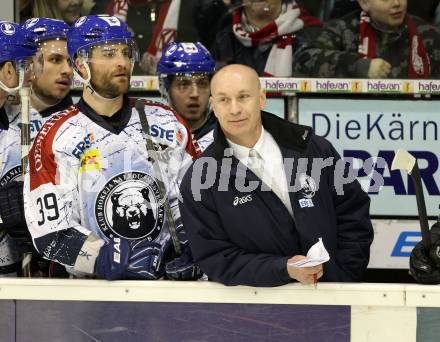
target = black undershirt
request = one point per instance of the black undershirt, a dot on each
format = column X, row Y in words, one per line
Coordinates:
column 115, row 123
column 114, row 120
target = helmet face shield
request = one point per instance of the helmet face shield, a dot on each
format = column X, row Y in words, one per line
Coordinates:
column 51, row 53
column 109, row 52
column 52, row 71
column 185, row 82
column 109, row 55
column 23, row 68
column 24, row 65
column 18, row 50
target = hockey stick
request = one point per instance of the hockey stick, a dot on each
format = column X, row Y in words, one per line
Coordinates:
column 405, row 161
column 25, row 146
column 140, row 107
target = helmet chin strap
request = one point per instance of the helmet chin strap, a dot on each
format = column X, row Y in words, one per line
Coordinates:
column 13, row 92
column 87, row 83
column 164, row 90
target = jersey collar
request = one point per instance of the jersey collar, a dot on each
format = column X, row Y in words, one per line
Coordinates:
column 100, row 120
column 63, row 104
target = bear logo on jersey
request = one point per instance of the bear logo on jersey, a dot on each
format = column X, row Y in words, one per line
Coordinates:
column 129, row 206
column 130, row 209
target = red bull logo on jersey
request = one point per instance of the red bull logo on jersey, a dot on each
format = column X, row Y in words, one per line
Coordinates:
column 90, row 160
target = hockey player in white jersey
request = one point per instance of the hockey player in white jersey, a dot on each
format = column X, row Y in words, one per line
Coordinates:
column 185, row 71
column 15, row 61
column 52, row 73
column 51, row 79
column 98, row 201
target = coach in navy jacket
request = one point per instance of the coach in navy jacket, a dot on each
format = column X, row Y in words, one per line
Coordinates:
column 247, row 238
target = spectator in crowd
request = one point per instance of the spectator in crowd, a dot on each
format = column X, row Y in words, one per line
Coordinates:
column 70, row 10
column 343, row 7
column 67, row 10
column 245, row 224
column 424, row 9
column 382, row 41
column 437, row 16
column 153, row 24
column 185, row 71
column 212, row 16
column 263, row 35
column 314, row 7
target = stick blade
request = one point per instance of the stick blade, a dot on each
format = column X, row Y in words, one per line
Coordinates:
column 403, row 160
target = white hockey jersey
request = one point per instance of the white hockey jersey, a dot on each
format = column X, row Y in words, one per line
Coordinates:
column 204, row 136
column 86, row 177
column 10, row 148
column 10, row 164
column 10, row 139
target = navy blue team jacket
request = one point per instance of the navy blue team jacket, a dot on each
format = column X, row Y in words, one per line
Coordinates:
column 246, row 238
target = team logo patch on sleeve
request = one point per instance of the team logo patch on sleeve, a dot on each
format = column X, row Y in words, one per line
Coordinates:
column 129, row 206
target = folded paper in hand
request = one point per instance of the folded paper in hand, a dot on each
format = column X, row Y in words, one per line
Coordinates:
column 316, row 255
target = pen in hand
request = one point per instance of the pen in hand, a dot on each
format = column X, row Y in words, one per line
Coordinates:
column 315, row 280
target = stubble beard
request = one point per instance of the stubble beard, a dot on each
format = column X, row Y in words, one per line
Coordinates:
column 47, row 96
column 110, row 88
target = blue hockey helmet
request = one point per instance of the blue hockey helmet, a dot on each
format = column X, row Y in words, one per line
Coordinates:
column 183, row 59
column 13, row 43
column 89, row 31
column 42, row 29
column 92, row 31
column 15, row 47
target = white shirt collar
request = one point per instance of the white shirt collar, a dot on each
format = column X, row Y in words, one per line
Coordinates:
column 274, row 174
column 242, row 152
